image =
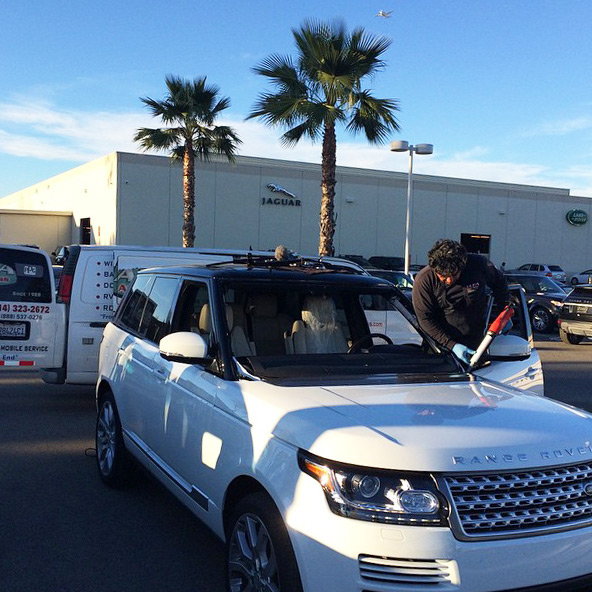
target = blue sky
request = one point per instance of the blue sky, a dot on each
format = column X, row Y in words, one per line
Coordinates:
column 502, row 88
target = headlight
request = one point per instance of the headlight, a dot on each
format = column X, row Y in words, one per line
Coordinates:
column 378, row 496
column 557, row 303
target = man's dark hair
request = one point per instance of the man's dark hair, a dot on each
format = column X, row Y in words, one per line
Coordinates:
column 447, row 257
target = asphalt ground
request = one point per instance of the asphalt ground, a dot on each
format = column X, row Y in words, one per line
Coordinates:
column 62, row 530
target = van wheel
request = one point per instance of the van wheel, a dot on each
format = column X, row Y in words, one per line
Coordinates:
column 570, row 338
column 259, row 553
column 112, row 457
column 541, row 319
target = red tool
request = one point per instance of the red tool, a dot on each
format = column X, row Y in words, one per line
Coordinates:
column 494, row 330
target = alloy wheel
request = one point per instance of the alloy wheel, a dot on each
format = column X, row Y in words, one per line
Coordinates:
column 252, row 558
column 541, row 320
column 106, row 438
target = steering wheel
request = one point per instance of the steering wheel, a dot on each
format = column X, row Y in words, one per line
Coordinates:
column 357, row 344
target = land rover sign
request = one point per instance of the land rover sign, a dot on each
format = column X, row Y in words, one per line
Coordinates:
column 577, row 217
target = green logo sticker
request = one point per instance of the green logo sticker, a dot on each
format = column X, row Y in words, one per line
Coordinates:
column 576, row 217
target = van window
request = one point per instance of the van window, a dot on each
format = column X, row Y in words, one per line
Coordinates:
column 24, row 277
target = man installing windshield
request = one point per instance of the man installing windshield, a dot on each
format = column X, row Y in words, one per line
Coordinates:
column 450, row 299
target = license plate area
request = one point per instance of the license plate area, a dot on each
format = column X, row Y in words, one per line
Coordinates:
column 15, row 330
column 582, row 309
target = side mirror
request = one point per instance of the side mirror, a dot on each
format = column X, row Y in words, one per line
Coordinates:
column 509, row 347
column 184, row 346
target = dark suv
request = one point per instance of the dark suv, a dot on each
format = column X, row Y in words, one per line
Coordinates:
column 575, row 320
column 387, row 262
column 544, row 298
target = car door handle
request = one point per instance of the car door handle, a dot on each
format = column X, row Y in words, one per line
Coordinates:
column 531, row 372
column 159, row 373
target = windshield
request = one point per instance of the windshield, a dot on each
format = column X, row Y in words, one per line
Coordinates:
column 537, row 283
column 303, row 330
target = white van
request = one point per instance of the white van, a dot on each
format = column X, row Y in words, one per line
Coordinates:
column 93, row 279
column 32, row 324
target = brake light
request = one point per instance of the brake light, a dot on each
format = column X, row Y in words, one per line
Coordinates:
column 549, row 274
column 65, row 287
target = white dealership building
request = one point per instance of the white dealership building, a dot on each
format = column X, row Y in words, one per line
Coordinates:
column 258, row 203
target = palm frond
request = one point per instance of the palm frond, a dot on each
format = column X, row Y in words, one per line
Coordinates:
column 157, row 139
column 375, row 117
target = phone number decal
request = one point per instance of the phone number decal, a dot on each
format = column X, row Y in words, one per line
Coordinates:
column 25, row 308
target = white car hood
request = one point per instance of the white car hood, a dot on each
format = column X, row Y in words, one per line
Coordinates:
column 450, row 426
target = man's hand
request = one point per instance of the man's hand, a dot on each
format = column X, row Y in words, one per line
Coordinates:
column 463, row 353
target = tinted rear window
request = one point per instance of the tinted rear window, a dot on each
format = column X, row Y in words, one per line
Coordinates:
column 582, row 292
column 24, row 277
column 555, row 268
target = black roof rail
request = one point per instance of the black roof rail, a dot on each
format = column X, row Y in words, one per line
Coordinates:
column 301, row 263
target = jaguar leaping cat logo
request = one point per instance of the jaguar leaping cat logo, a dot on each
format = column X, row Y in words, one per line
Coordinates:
column 278, row 189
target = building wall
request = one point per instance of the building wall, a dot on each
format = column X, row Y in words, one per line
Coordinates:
column 137, row 199
column 46, row 230
column 88, row 191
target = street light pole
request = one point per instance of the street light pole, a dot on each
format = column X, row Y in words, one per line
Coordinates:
column 403, row 146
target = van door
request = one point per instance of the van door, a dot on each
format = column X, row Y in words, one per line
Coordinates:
column 32, row 323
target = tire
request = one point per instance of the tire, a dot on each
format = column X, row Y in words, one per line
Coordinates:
column 541, row 319
column 112, row 457
column 574, row 281
column 259, row 555
column 570, row 338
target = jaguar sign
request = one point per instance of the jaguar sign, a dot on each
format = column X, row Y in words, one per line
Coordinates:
column 289, row 200
column 576, row 217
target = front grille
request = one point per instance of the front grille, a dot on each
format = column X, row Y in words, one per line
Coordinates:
column 521, row 503
column 390, row 571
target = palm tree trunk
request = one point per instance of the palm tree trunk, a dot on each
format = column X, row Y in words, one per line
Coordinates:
column 327, row 215
column 188, row 196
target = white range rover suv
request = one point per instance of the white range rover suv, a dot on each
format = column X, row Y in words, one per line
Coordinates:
column 330, row 456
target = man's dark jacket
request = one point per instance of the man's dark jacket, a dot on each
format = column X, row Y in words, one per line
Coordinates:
column 456, row 313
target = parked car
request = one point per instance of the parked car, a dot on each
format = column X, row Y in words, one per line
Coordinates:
column 60, row 255
column 544, row 296
column 584, row 277
column 359, row 259
column 551, row 271
column 256, row 396
column 575, row 319
column 387, row 262
column 398, row 278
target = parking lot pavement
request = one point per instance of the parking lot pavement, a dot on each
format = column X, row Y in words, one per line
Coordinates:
column 63, row 530
column 567, row 369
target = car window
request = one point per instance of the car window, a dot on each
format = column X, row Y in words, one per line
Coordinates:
column 193, row 312
column 132, row 308
column 24, row 277
column 524, row 267
column 555, row 268
column 155, row 322
column 519, row 323
column 544, row 284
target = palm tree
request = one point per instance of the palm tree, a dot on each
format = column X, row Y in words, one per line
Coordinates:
column 320, row 88
column 189, row 109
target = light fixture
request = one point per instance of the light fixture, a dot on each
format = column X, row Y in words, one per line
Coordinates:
column 404, row 146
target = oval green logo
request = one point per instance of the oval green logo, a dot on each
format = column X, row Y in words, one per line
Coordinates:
column 576, row 217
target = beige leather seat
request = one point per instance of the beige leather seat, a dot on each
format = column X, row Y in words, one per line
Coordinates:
column 318, row 332
column 238, row 339
column 267, row 325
